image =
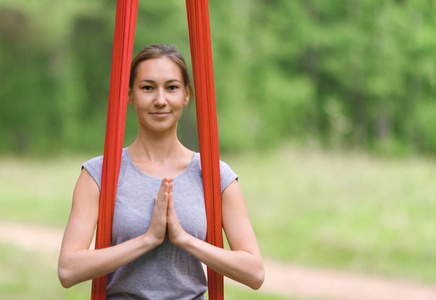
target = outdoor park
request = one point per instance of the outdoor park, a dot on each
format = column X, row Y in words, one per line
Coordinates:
column 326, row 111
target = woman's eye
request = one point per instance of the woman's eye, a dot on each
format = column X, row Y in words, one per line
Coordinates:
column 147, row 87
column 173, row 87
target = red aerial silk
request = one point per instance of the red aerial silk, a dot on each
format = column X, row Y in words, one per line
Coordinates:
column 199, row 33
column 202, row 66
column 125, row 23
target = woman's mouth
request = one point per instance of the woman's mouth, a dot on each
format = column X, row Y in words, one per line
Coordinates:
column 160, row 114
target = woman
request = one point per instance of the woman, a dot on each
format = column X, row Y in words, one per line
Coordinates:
column 159, row 226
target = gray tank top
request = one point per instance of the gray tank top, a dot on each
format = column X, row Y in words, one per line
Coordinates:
column 165, row 272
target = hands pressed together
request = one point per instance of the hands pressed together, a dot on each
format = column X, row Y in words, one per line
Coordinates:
column 164, row 218
column 78, row 263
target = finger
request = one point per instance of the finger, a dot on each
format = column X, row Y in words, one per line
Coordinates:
column 157, row 204
column 171, row 187
column 164, row 202
column 171, row 208
column 170, row 180
column 161, row 203
column 167, row 185
column 163, row 188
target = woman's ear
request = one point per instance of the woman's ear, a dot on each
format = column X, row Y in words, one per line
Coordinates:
column 130, row 97
column 186, row 101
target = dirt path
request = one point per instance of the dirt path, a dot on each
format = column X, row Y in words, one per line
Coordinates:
column 281, row 279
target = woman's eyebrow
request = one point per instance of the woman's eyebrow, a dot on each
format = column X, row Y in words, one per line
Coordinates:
column 173, row 80
column 152, row 81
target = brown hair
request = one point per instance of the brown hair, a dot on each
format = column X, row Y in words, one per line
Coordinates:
column 158, row 51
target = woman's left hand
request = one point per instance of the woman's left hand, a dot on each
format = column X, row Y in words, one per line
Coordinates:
column 175, row 230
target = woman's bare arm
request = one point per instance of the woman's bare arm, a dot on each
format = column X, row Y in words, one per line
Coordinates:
column 243, row 262
column 77, row 262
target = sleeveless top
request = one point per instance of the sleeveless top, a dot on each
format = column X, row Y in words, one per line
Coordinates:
column 165, row 272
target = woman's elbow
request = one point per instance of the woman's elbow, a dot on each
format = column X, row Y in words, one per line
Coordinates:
column 65, row 277
column 258, row 278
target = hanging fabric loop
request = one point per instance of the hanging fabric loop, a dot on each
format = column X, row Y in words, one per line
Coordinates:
column 202, row 66
column 201, row 54
column 125, row 23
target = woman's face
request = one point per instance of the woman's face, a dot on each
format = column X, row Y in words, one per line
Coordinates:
column 158, row 94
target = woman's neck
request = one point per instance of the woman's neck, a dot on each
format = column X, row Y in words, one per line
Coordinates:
column 157, row 147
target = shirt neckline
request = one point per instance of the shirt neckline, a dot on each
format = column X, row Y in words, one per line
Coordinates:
column 132, row 164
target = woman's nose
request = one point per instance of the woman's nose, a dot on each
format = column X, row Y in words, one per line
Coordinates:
column 160, row 98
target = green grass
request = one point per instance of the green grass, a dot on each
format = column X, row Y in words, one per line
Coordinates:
column 34, row 191
column 40, row 192
column 343, row 210
column 32, row 275
column 347, row 211
column 232, row 293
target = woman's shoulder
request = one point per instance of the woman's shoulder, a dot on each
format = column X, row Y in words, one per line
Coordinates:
column 94, row 166
column 227, row 175
column 226, row 172
column 197, row 158
column 97, row 161
column 94, row 163
column 223, row 165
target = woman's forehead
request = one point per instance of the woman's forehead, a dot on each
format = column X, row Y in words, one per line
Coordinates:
column 162, row 67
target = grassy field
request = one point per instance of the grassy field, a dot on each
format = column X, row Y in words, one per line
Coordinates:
column 32, row 275
column 347, row 211
column 343, row 210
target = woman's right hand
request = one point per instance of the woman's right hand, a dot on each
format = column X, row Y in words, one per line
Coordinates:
column 77, row 262
column 158, row 225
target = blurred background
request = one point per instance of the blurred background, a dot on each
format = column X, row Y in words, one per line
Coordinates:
column 326, row 110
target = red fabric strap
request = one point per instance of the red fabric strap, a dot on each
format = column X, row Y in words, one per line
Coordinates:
column 201, row 54
column 201, row 57
column 125, row 23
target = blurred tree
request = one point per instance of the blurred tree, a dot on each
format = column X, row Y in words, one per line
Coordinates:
column 343, row 73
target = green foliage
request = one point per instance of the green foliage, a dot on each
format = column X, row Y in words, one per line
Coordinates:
column 338, row 210
column 357, row 74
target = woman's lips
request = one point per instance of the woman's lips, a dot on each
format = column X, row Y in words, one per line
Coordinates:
column 160, row 114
